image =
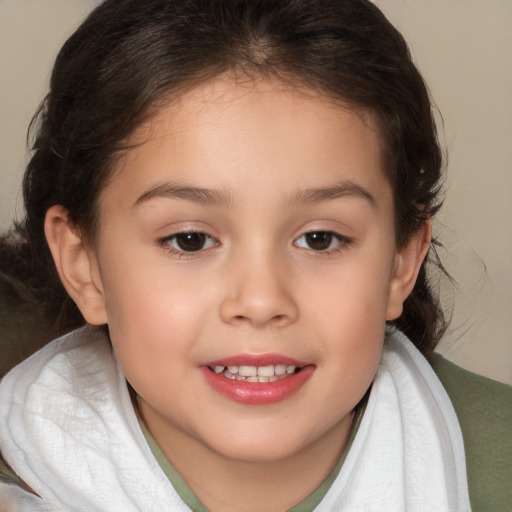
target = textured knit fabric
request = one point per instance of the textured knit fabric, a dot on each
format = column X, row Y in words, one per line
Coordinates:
column 67, row 410
column 484, row 409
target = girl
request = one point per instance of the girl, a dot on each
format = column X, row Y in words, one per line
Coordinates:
column 228, row 211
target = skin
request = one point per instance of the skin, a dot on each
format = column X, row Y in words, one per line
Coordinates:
column 256, row 286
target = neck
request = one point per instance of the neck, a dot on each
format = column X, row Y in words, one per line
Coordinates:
column 230, row 485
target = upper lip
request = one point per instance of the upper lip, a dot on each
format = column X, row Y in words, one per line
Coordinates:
column 256, row 360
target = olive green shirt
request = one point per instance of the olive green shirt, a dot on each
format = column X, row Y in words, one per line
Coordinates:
column 484, row 410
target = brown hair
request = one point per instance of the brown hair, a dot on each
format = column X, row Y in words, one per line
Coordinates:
column 130, row 55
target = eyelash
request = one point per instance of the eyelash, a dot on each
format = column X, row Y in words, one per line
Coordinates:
column 341, row 242
column 166, row 243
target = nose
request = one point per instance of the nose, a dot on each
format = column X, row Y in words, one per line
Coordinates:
column 259, row 293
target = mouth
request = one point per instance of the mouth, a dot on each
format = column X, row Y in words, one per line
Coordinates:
column 257, row 380
column 260, row 374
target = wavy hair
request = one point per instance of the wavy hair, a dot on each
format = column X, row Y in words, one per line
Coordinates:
column 130, row 56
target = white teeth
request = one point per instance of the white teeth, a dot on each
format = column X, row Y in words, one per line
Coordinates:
column 269, row 373
column 266, row 371
column 280, row 369
column 248, row 371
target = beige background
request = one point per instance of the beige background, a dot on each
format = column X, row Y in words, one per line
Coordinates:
column 464, row 49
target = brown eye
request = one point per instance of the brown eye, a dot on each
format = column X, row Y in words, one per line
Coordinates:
column 192, row 241
column 321, row 241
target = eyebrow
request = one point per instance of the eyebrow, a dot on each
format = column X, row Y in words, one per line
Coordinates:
column 186, row 193
column 223, row 197
column 343, row 189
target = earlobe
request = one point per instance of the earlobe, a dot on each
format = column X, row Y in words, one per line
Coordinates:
column 76, row 265
column 408, row 262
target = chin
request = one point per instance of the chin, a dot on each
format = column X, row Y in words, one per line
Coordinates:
column 259, row 448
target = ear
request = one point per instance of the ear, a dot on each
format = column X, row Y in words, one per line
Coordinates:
column 408, row 262
column 76, row 264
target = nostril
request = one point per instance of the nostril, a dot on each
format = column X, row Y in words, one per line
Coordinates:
column 241, row 319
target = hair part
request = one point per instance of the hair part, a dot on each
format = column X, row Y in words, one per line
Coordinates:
column 128, row 58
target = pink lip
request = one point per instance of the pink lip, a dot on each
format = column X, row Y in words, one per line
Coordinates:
column 256, row 393
column 255, row 360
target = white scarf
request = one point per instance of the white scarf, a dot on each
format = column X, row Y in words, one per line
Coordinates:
column 68, row 429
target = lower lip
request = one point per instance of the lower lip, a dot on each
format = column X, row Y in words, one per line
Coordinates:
column 257, row 393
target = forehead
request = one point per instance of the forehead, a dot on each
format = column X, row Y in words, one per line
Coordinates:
column 230, row 132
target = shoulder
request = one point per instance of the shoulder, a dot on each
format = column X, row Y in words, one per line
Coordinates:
column 484, row 410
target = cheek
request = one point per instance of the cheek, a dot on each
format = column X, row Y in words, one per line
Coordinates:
column 348, row 312
column 153, row 335
column 354, row 334
column 153, row 317
column 145, row 291
column 158, row 313
column 354, row 294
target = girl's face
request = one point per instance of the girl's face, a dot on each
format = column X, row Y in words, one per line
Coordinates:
column 250, row 233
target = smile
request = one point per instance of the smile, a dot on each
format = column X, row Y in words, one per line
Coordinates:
column 257, row 379
column 261, row 374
